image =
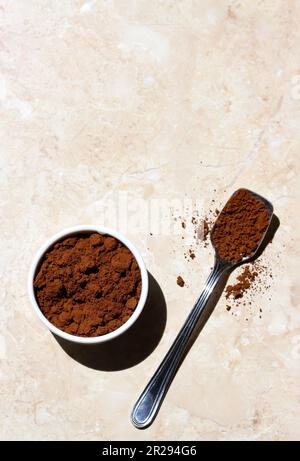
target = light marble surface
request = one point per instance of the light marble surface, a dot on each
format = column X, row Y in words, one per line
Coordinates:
column 159, row 100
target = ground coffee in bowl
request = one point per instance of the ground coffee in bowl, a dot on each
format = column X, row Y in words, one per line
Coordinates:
column 88, row 284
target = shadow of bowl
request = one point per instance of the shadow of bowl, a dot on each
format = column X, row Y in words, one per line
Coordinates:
column 133, row 346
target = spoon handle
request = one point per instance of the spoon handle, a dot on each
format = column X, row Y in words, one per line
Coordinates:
column 149, row 402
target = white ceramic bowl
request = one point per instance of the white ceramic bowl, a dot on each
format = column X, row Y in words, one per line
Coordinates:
column 101, row 230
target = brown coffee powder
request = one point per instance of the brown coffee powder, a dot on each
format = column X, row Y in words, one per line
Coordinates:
column 88, row 285
column 244, row 281
column 240, row 226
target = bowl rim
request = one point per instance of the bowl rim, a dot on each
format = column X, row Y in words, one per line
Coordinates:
column 69, row 231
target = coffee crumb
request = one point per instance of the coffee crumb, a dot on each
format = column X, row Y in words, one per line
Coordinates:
column 180, row 281
column 192, row 254
column 206, row 224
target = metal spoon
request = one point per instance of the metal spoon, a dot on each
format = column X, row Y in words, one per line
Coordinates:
column 149, row 402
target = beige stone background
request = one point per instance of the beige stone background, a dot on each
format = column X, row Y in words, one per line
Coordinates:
column 161, row 100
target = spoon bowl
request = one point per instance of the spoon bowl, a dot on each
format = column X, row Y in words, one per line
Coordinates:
column 267, row 205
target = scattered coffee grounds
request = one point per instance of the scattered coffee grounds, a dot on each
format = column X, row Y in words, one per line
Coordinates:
column 200, row 229
column 88, row 285
column 245, row 280
column 240, row 226
column 192, row 254
column 252, row 279
column 180, row 281
column 206, row 224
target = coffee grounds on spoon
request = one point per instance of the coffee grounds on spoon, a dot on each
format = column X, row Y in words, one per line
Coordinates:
column 247, row 282
column 240, row 226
